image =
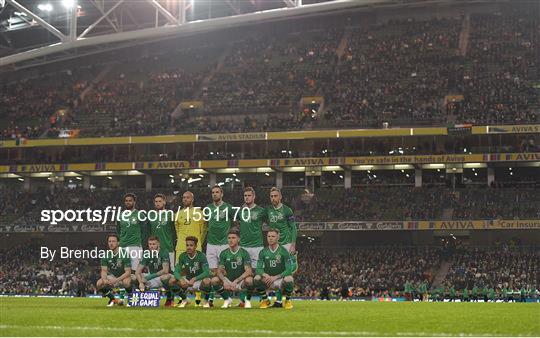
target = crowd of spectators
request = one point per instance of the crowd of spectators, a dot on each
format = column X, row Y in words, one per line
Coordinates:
column 427, row 203
column 22, row 272
column 509, row 267
column 365, row 271
column 370, row 203
column 399, row 71
column 29, row 108
column 500, row 86
column 324, row 272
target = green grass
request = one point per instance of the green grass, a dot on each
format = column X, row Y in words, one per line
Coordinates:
column 90, row 317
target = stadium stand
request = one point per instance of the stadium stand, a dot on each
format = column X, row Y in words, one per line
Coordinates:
column 20, row 273
column 510, row 267
column 330, row 204
column 364, row 272
column 377, row 269
column 367, row 75
column 479, row 69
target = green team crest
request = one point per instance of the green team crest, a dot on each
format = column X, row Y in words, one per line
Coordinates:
column 254, row 215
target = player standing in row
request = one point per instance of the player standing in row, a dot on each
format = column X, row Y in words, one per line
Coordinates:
column 115, row 272
column 252, row 217
column 163, row 227
column 234, row 272
column 281, row 217
column 131, row 230
column 251, row 224
column 189, row 223
column 220, row 221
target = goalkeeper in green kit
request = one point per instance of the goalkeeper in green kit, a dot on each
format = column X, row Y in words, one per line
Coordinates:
column 281, row 217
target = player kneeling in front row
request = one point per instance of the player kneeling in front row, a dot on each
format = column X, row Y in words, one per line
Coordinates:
column 274, row 271
column 234, row 271
column 158, row 269
column 115, row 272
column 191, row 273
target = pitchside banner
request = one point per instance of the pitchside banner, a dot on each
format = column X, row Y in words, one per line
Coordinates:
column 338, row 226
column 478, row 225
column 145, row 299
column 45, row 227
column 316, row 226
column 421, row 225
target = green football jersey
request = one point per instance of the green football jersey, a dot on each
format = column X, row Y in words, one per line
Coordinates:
column 465, row 293
column 132, row 230
column 282, row 218
column 408, row 287
column 155, row 264
column 273, row 263
column 190, row 267
column 234, row 262
column 452, row 292
column 164, row 230
column 251, row 235
column 115, row 264
column 219, row 223
column 474, row 291
column 422, row 288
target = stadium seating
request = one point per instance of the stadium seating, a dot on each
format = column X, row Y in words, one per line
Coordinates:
column 376, row 269
column 21, row 274
column 503, row 267
column 363, row 271
column 329, row 204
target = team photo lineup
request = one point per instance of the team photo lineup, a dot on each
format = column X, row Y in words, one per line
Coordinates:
column 268, row 168
column 236, row 259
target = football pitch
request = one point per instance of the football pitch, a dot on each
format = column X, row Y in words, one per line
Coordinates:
column 90, row 317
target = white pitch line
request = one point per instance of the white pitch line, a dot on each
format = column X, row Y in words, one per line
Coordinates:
column 209, row 331
column 238, row 332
